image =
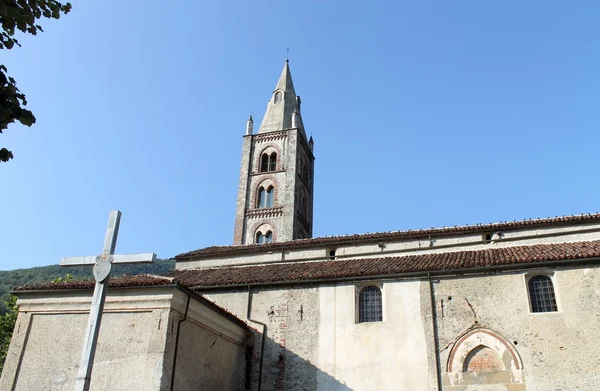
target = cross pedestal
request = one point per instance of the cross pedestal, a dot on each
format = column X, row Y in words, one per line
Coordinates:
column 102, row 266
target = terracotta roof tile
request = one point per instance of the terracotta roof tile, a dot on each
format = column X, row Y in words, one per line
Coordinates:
column 435, row 262
column 372, row 237
column 118, row 282
column 131, row 281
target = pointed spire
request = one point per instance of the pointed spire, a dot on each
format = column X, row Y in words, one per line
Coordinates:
column 282, row 104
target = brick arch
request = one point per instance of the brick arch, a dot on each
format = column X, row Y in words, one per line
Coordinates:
column 266, row 182
column 264, row 226
column 484, row 351
column 269, row 148
column 487, row 338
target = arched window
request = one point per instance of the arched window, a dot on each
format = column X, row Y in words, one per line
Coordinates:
column 264, row 163
column 369, row 305
column 541, row 294
column 265, row 197
column 270, row 195
column 262, row 197
column 277, row 97
column 268, row 162
column 266, row 238
column 260, row 238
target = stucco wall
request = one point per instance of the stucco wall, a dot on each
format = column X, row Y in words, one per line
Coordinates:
column 137, row 343
column 314, row 343
column 206, row 360
column 557, row 349
column 46, row 350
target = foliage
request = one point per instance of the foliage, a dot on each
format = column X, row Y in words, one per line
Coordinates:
column 7, row 324
column 68, row 278
column 12, row 278
column 20, row 15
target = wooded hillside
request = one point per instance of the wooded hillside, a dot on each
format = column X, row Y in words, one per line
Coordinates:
column 12, row 278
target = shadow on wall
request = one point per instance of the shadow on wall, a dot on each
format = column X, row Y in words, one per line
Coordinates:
column 285, row 370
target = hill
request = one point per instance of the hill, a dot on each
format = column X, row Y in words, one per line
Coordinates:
column 12, row 278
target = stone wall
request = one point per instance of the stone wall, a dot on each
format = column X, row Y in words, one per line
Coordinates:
column 488, row 337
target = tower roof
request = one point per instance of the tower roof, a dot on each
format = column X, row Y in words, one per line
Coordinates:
column 282, row 104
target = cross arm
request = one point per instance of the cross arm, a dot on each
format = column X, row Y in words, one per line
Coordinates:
column 90, row 260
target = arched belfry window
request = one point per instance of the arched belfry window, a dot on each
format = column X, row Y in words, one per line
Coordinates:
column 264, row 238
column 265, row 197
column 541, row 294
column 268, row 162
column 277, row 97
column 370, row 305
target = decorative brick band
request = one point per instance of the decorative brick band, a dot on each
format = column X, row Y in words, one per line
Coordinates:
column 265, row 212
column 272, row 136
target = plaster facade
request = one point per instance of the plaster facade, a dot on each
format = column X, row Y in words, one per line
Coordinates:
column 137, row 344
column 487, row 336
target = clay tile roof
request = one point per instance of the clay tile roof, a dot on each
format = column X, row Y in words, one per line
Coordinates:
column 130, row 282
column 423, row 263
column 117, row 282
column 377, row 236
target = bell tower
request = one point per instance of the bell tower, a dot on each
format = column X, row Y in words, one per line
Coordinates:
column 275, row 196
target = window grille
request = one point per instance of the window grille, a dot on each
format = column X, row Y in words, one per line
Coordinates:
column 369, row 305
column 541, row 294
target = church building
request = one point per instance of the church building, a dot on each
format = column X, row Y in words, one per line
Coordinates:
column 510, row 306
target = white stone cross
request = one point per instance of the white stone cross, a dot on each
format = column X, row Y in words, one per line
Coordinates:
column 102, row 265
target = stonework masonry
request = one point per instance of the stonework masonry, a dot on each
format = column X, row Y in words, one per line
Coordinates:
column 290, row 216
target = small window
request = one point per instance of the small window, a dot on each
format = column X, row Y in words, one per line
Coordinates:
column 268, row 237
column 264, row 163
column 487, row 238
column 332, row 254
column 260, row 238
column 277, row 97
column 262, row 197
column 369, row 305
column 265, row 197
column 541, row 294
column 268, row 162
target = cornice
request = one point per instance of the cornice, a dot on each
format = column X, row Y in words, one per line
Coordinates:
column 271, row 136
column 265, row 212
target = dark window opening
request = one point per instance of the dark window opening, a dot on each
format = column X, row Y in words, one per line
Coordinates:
column 268, row 237
column 248, row 368
column 273, row 162
column 370, row 305
column 264, row 163
column 487, row 238
column 332, row 254
column 541, row 294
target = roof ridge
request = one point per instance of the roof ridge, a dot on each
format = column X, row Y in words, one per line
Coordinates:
column 450, row 262
column 214, row 250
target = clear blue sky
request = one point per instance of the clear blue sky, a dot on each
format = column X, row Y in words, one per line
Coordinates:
column 423, row 114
